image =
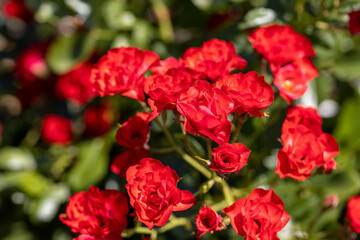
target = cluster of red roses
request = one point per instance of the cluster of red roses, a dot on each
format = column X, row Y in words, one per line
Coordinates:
column 202, row 92
column 288, row 54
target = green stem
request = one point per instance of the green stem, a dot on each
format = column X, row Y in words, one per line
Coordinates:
column 241, row 120
column 140, row 230
column 175, row 223
column 162, row 150
column 229, row 198
column 163, row 16
column 193, row 162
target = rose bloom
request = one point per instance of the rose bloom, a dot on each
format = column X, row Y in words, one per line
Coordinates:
column 18, row 9
column 98, row 120
column 305, row 146
column 134, row 132
column 127, row 158
column 30, row 64
column 205, row 110
column 249, row 92
column 75, row 85
column 121, row 71
column 354, row 22
column 280, row 45
column 98, row 214
column 259, row 216
column 215, row 58
column 87, row 237
column 162, row 66
column 164, row 89
column 56, row 129
column 153, row 192
column 229, row 158
column 292, row 79
column 208, row 221
column 353, row 213
column 307, row 116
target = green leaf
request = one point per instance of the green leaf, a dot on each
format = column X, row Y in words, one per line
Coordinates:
column 34, row 184
column 44, row 209
column 16, row 159
column 257, row 17
column 91, row 165
column 348, row 128
column 66, row 51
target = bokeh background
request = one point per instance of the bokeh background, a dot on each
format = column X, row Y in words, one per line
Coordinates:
column 41, row 40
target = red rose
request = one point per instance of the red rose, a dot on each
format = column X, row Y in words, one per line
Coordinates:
column 205, row 110
column 18, row 9
column 292, row 79
column 307, row 116
column 30, row 65
column 161, row 67
column 305, row 146
column 259, row 216
column 75, row 85
column 249, row 92
column 99, row 214
column 353, row 213
column 354, row 22
column 122, row 71
column 56, row 129
column 280, row 45
column 164, row 89
column 134, row 132
column 229, row 158
column 98, row 120
column 215, row 58
column 127, row 158
column 208, row 221
column 87, row 237
column 153, row 192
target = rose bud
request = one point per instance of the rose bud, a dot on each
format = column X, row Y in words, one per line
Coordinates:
column 208, row 221
column 56, row 129
column 229, row 158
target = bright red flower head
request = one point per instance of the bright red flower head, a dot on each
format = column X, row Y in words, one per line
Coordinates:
column 30, row 65
column 292, row 79
column 121, row 71
column 98, row 214
column 56, row 129
column 259, row 216
column 280, row 45
column 249, row 92
column 164, row 89
column 88, row 237
column 215, row 58
column 75, row 85
column 354, row 22
column 161, row 67
column 134, row 132
column 305, row 146
column 153, row 192
column 353, row 213
column 208, row 221
column 127, row 158
column 205, row 110
column 98, row 120
column 229, row 158
column 18, row 9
